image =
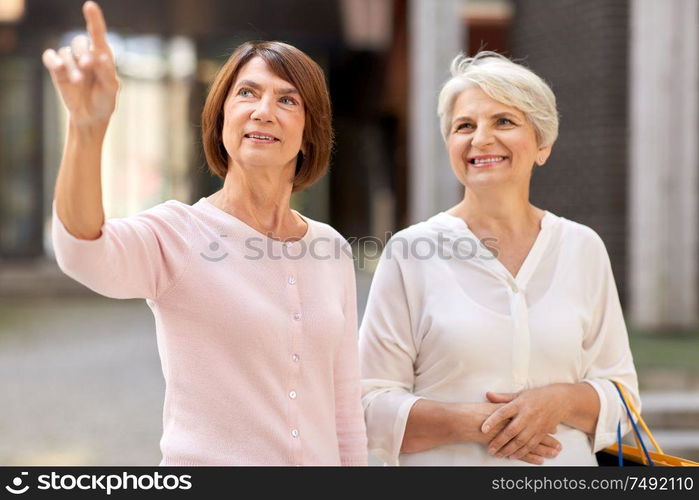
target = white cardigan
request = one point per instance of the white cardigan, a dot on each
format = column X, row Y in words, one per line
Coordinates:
column 445, row 320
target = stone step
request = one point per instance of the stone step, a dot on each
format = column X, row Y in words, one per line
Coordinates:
column 670, row 410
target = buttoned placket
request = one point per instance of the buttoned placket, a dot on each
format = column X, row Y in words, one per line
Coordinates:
column 293, row 391
column 519, row 314
column 521, row 348
column 519, row 310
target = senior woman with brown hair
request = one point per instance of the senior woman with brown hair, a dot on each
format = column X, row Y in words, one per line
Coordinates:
column 258, row 349
column 475, row 354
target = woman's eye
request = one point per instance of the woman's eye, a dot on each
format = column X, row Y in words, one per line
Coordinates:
column 288, row 100
column 505, row 121
column 245, row 93
column 461, row 126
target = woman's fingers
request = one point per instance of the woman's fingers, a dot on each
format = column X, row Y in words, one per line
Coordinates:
column 105, row 71
column 85, row 73
column 55, row 65
column 507, row 411
column 533, row 459
column 520, row 445
column 96, row 26
column 547, row 448
column 513, row 431
column 545, row 451
column 535, row 451
column 80, row 45
column 527, row 448
column 551, row 442
column 66, row 55
column 86, row 63
column 501, row 397
column 539, row 454
column 540, row 444
column 102, row 58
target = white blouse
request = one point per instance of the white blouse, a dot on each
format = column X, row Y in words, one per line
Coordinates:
column 445, row 320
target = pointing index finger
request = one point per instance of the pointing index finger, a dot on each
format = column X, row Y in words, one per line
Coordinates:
column 96, row 26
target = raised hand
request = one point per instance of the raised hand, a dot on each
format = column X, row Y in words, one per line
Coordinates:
column 84, row 73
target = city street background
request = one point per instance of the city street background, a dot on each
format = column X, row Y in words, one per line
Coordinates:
column 80, row 378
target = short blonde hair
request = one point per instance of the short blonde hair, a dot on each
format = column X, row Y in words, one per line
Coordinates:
column 507, row 82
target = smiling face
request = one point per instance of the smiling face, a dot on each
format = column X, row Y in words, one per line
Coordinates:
column 491, row 144
column 264, row 118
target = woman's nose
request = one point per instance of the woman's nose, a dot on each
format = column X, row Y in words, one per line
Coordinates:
column 263, row 110
column 482, row 137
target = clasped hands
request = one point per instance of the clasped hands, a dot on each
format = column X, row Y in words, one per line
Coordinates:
column 522, row 425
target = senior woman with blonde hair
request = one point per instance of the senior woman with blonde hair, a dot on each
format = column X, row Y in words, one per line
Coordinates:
column 495, row 325
column 257, row 337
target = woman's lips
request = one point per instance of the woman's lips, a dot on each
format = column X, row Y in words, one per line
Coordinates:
column 261, row 141
column 486, row 164
column 261, row 138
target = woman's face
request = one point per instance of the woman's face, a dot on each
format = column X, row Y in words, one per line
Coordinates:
column 491, row 144
column 263, row 118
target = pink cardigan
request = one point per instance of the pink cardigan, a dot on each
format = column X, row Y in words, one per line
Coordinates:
column 257, row 338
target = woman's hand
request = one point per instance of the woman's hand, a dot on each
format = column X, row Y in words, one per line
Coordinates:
column 532, row 415
column 548, row 447
column 434, row 423
column 85, row 73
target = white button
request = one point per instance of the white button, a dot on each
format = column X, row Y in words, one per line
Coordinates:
column 292, row 280
column 295, row 432
column 287, row 243
column 514, row 287
column 297, row 316
column 295, row 358
column 292, row 394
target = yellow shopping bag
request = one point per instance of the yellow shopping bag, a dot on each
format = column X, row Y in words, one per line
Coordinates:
column 624, row 454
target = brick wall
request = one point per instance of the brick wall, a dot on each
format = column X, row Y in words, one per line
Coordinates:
column 581, row 49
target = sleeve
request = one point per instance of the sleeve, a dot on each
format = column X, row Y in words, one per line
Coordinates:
column 349, row 416
column 387, row 355
column 140, row 256
column 607, row 356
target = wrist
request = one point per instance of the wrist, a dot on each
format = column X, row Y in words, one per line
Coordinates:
column 565, row 401
column 88, row 131
column 466, row 423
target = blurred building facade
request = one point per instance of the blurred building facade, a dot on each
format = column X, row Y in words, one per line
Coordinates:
column 625, row 76
column 625, row 163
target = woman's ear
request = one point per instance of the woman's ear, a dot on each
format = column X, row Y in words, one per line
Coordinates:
column 543, row 155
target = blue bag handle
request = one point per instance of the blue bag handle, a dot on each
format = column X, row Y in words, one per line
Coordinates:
column 635, row 429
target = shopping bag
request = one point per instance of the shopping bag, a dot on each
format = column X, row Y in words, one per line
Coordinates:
column 626, row 455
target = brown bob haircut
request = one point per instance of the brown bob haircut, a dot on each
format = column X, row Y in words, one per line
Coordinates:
column 292, row 65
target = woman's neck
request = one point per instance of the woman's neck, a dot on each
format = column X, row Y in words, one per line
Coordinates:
column 261, row 197
column 498, row 211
